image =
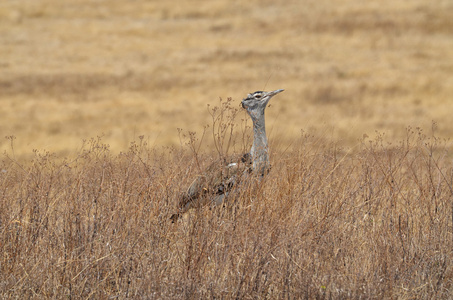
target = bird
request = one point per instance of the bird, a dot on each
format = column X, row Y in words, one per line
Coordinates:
column 222, row 175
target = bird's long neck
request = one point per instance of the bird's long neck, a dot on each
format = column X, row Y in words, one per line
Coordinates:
column 259, row 151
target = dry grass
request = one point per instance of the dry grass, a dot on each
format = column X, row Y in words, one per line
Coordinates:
column 124, row 69
column 324, row 223
column 354, row 218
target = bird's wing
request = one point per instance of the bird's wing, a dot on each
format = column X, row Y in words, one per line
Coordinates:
column 218, row 178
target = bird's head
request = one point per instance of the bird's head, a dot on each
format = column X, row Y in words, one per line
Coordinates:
column 256, row 102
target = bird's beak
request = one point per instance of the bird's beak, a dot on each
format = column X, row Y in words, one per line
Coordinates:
column 273, row 93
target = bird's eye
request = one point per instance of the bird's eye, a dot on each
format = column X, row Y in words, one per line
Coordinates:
column 257, row 96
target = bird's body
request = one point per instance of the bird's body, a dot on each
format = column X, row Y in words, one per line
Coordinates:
column 221, row 176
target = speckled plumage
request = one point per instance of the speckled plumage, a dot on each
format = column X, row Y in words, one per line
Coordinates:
column 222, row 175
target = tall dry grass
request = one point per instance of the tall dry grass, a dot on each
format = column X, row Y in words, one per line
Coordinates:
column 326, row 222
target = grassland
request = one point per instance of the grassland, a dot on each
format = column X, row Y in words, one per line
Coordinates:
column 323, row 224
column 70, row 71
column 358, row 203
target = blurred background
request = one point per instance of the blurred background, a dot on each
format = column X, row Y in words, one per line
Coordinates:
column 72, row 70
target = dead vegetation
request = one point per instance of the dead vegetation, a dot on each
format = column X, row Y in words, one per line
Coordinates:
column 332, row 220
column 325, row 223
column 124, row 69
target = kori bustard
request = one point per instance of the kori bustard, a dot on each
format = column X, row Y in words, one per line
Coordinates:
column 218, row 179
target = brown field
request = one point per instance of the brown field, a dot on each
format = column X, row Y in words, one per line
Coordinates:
column 323, row 224
column 358, row 204
column 70, row 71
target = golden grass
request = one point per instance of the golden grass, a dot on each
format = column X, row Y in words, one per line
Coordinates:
column 324, row 223
column 123, row 69
column 356, row 204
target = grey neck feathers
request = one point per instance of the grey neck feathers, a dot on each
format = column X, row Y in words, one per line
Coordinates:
column 259, row 151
